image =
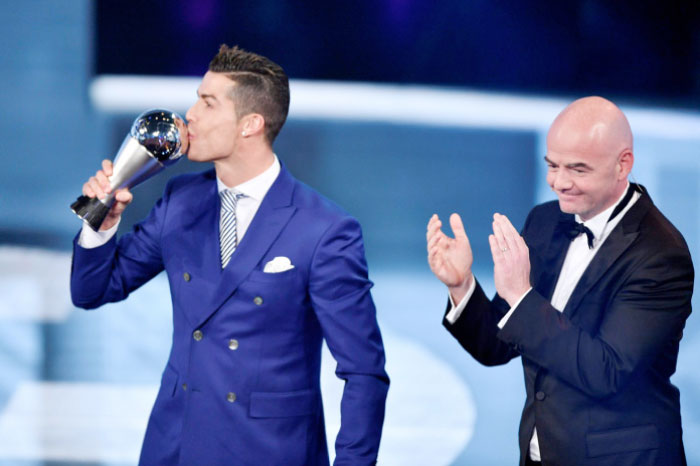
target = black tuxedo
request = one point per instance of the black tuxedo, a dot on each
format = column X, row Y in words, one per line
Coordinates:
column 597, row 375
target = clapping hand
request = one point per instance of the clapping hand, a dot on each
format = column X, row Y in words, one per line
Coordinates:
column 511, row 260
column 450, row 259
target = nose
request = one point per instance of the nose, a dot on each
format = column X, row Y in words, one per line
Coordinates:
column 189, row 116
column 560, row 179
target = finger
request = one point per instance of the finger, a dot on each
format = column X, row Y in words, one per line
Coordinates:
column 124, row 196
column 102, row 179
column 434, row 226
column 436, row 242
column 496, row 250
column 499, row 237
column 94, row 188
column 87, row 190
column 433, row 238
column 430, row 237
column 433, row 218
column 457, row 227
column 433, row 254
column 512, row 237
column 107, row 167
column 434, row 257
column 507, row 228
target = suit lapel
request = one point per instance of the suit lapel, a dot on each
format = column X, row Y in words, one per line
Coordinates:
column 620, row 239
column 552, row 260
column 199, row 247
column 274, row 213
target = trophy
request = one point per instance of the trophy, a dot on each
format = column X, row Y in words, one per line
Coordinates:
column 157, row 139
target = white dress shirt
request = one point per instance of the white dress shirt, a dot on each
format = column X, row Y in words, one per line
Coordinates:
column 578, row 256
column 254, row 189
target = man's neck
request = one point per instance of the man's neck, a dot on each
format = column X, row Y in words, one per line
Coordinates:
column 239, row 168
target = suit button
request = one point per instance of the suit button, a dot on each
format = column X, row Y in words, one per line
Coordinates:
column 197, row 335
column 184, row 386
column 233, row 344
column 258, row 300
column 231, row 397
column 540, row 396
column 186, row 276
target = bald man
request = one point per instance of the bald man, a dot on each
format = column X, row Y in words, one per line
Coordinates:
column 593, row 297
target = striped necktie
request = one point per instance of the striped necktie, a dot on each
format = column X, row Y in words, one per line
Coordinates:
column 228, row 232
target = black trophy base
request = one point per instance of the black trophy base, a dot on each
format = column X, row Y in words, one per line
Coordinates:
column 91, row 210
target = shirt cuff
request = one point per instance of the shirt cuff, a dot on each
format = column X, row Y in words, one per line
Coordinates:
column 504, row 320
column 456, row 311
column 90, row 238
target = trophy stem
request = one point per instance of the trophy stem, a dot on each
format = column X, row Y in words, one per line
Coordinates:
column 91, row 210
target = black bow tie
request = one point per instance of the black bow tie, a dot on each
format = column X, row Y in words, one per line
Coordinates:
column 572, row 229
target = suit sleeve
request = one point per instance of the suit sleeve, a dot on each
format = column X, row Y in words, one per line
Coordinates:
column 645, row 315
column 340, row 294
column 477, row 329
column 110, row 272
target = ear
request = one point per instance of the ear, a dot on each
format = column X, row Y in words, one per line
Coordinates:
column 625, row 163
column 253, row 124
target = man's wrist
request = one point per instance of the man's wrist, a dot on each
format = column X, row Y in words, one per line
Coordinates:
column 457, row 293
column 109, row 222
column 514, row 298
column 90, row 239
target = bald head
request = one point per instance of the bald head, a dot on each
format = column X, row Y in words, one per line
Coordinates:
column 592, row 122
column 589, row 154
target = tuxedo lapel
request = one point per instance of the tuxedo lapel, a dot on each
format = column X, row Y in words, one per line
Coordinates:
column 274, row 213
column 546, row 277
column 620, row 239
column 616, row 244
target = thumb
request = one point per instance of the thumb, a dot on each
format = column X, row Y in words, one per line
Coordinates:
column 123, row 197
column 458, row 227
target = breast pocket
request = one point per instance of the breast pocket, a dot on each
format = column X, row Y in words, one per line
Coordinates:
column 288, row 276
column 279, row 298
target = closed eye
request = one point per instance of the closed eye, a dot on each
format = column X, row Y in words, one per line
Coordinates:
column 579, row 168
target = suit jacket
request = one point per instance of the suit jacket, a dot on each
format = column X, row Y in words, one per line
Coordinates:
column 241, row 385
column 597, row 374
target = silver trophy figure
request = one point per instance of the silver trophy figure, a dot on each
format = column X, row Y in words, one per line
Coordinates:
column 157, row 139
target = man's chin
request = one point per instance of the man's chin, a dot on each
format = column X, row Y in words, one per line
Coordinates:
column 194, row 157
column 568, row 207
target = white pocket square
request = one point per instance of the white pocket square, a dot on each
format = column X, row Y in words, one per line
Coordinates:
column 278, row 264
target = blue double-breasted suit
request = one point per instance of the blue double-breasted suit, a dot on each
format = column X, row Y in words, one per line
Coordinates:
column 241, row 386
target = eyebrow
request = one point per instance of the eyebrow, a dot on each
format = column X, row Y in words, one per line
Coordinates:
column 570, row 165
column 206, row 96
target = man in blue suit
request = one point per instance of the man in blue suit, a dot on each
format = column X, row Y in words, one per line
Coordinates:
column 261, row 269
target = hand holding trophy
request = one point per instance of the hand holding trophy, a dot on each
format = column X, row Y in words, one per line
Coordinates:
column 157, row 139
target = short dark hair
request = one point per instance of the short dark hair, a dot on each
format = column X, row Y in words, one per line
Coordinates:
column 261, row 87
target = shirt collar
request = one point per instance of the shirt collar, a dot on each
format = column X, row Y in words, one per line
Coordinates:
column 597, row 223
column 256, row 187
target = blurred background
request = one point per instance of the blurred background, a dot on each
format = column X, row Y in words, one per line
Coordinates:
column 400, row 109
